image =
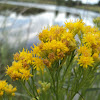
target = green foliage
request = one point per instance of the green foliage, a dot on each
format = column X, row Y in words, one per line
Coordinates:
column 97, row 22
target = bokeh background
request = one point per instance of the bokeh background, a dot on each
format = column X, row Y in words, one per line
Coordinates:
column 22, row 20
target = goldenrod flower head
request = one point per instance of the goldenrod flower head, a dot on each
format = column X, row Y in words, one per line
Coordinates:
column 26, row 56
column 16, row 65
column 38, row 63
column 52, row 33
column 69, row 41
column 2, row 84
column 18, row 71
column 85, row 61
column 90, row 39
column 54, row 46
column 47, row 63
column 95, row 56
column 68, row 36
column 89, row 29
column 15, row 75
column 44, row 35
column 36, row 50
column 16, row 56
column 20, row 68
column 7, row 88
column 75, row 27
column 51, row 55
column 25, row 74
column 84, row 50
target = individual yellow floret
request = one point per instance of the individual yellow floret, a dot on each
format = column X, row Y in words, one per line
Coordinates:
column 84, row 50
column 95, row 56
column 25, row 74
column 85, row 61
column 38, row 63
column 91, row 40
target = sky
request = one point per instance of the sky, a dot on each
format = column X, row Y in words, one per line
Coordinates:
column 90, row 1
column 87, row 1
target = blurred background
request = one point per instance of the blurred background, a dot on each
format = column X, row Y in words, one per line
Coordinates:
column 22, row 20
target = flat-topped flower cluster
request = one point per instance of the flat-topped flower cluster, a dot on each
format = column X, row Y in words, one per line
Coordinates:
column 56, row 44
column 7, row 88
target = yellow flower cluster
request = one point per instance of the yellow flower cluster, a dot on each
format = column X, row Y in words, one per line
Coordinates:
column 89, row 51
column 38, row 63
column 7, row 88
column 56, row 43
column 90, row 46
column 20, row 68
column 75, row 27
column 25, row 57
column 52, row 33
column 85, row 57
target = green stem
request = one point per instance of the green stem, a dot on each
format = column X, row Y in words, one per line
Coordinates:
column 54, row 86
column 23, row 84
column 81, row 97
column 53, row 83
column 1, row 98
column 34, row 86
column 56, row 81
column 69, row 62
column 31, row 88
column 73, row 96
column 63, row 62
column 9, row 98
column 33, row 83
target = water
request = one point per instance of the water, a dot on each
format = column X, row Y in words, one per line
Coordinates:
column 28, row 27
